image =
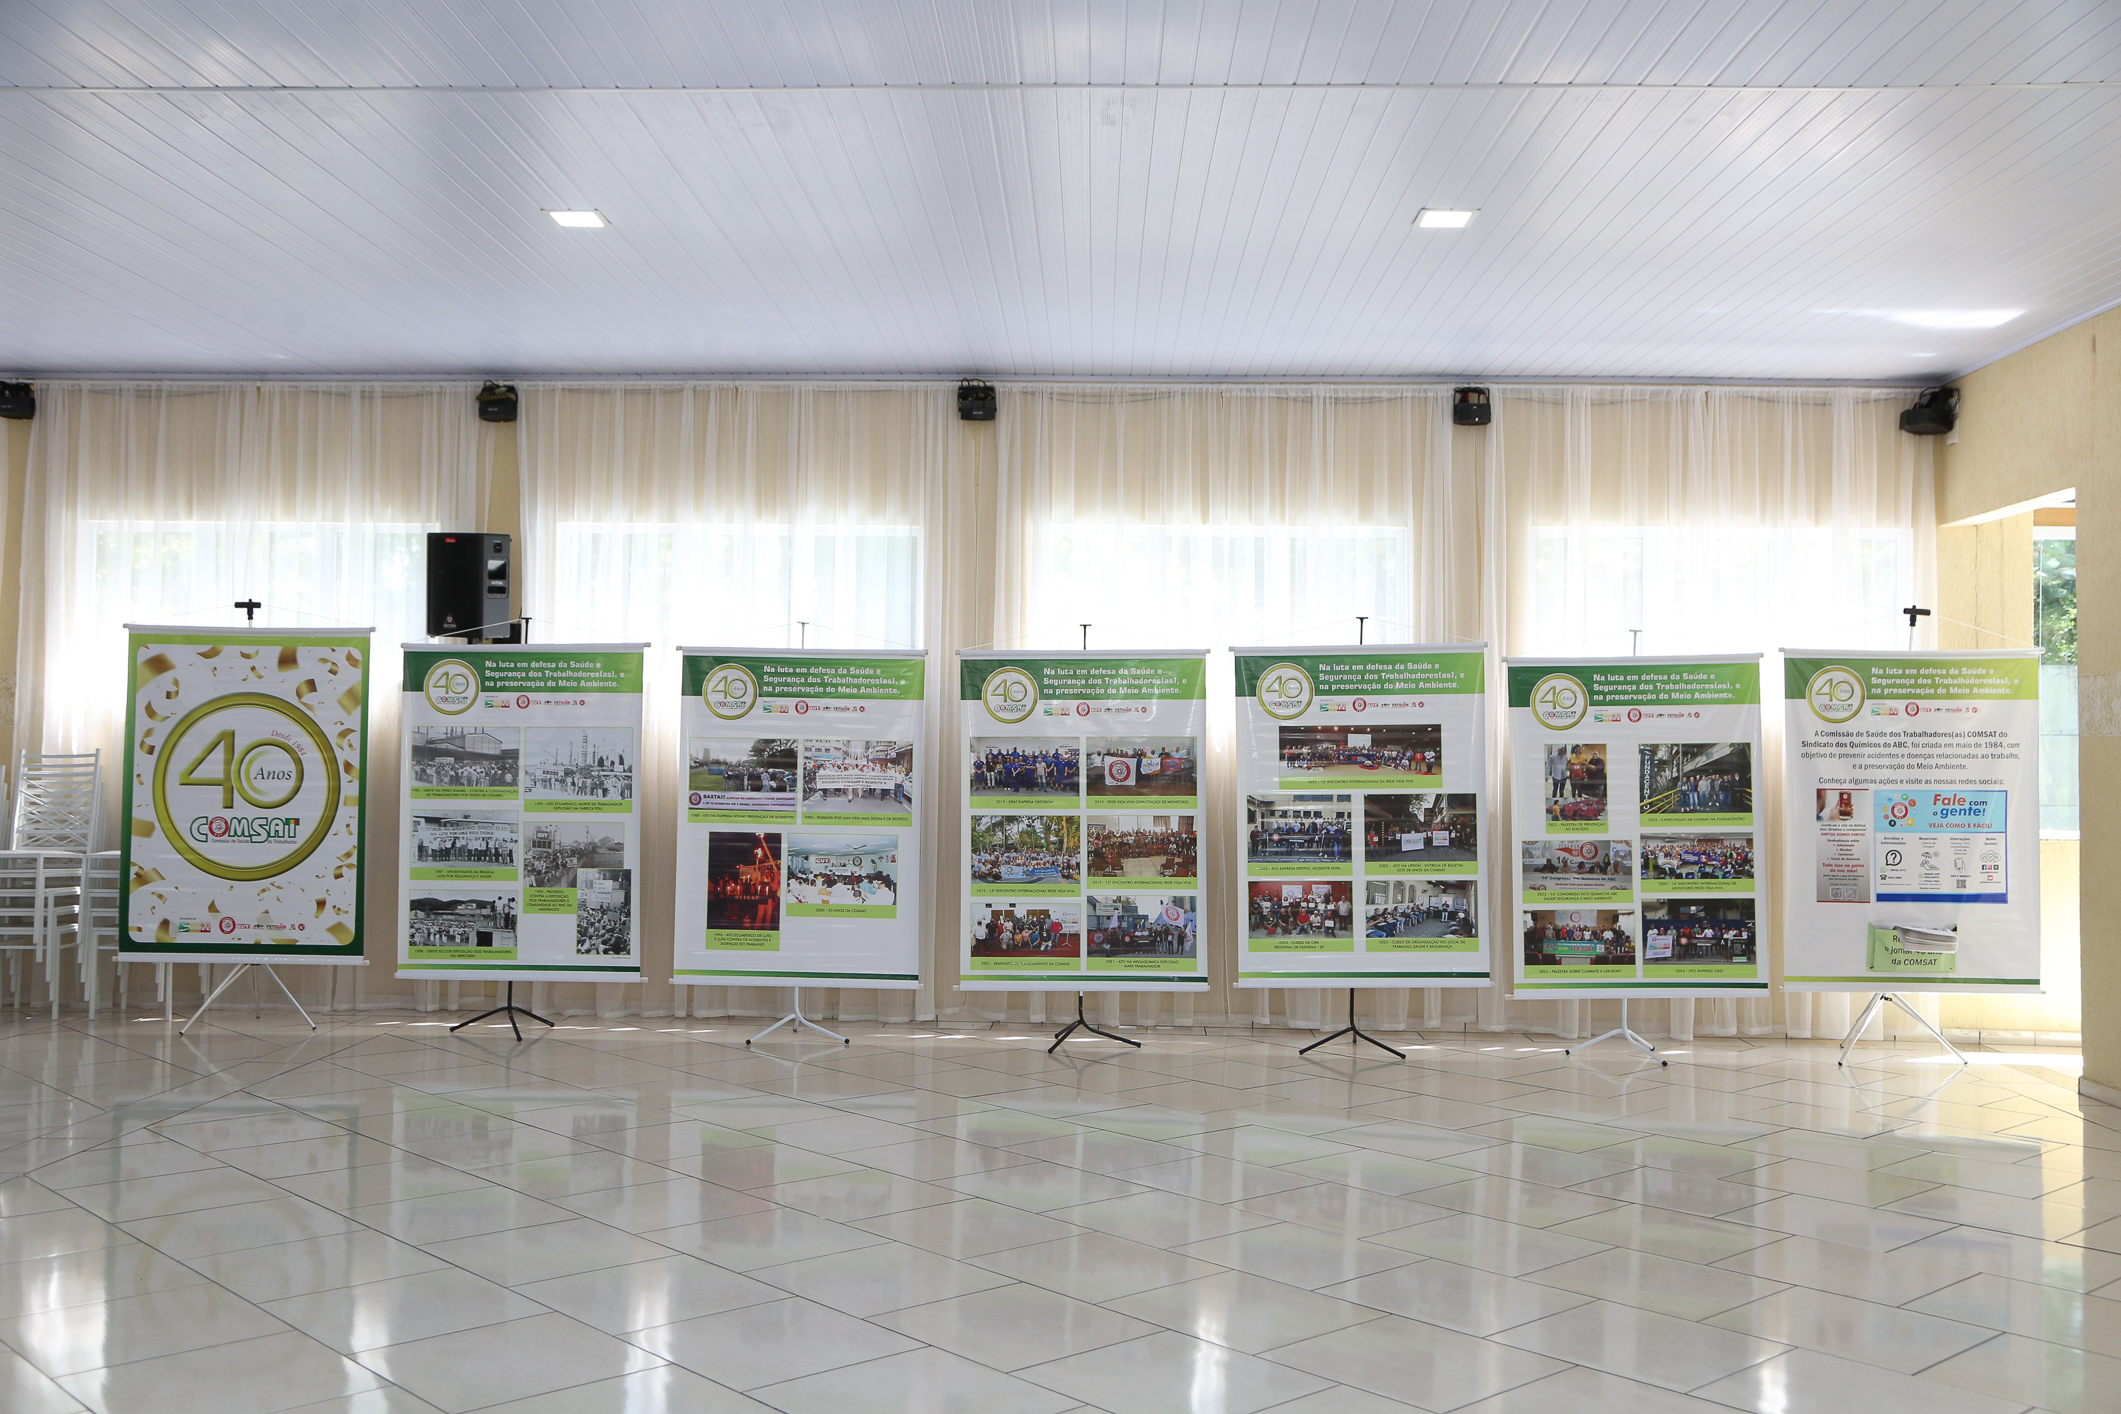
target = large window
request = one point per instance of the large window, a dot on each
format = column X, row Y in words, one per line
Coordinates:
column 2055, row 629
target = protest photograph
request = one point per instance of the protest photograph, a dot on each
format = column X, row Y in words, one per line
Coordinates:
column 741, row 773
column 1142, row 925
column 1420, row 908
column 1298, row 829
column 744, row 881
column 1024, row 849
column 603, row 913
column 1143, row 847
column 462, row 918
column 844, row 870
column 466, row 758
column 858, row 777
column 1575, row 778
column 1693, row 858
column 1697, row 778
column 558, row 848
column 1361, row 753
column 1306, row 910
column 1579, row 937
column 1121, row 767
column 1676, row 931
column 472, row 839
column 1421, row 829
column 1557, row 866
column 1026, row 930
column 578, row 763
column 1030, row 768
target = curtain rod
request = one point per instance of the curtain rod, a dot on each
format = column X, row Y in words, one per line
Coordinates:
column 1359, row 86
column 1426, row 380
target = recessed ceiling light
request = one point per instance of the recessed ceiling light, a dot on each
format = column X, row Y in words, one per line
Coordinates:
column 587, row 220
column 1431, row 218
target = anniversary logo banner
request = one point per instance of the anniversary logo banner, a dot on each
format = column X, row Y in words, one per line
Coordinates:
column 520, row 848
column 1362, row 771
column 245, row 755
column 1082, row 827
column 1913, row 821
column 799, row 826
column 1634, row 826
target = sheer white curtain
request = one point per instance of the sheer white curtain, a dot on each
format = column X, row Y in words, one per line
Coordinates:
column 1207, row 516
column 1714, row 520
column 167, row 502
column 726, row 513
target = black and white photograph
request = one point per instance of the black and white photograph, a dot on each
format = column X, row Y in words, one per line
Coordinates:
column 466, row 758
column 1142, row 925
column 1129, row 767
column 741, row 773
column 858, row 778
column 1424, row 829
column 1697, row 778
column 1143, row 847
column 557, row 848
column 1299, row 829
column 1032, row 769
column 1421, row 908
column 603, row 913
column 481, row 839
column 462, row 918
column 578, row 763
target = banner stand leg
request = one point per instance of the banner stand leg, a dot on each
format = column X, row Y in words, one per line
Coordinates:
column 507, row 1008
column 1083, row 1022
column 1625, row 1033
column 795, row 1021
column 229, row 980
column 1876, row 1004
column 1354, row 1031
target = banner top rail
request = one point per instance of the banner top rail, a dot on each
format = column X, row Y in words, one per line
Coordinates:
column 731, row 651
column 1647, row 659
column 240, row 628
column 1909, row 652
column 528, row 647
column 1266, row 649
column 1083, row 653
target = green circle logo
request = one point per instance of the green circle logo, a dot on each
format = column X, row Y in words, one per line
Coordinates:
column 1284, row 691
column 730, row 691
column 1835, row 694
column 451, row 687
column 245, row 788
column 1010, row 695
column 1559, row 701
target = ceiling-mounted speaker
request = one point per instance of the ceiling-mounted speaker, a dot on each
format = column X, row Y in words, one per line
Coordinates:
column 497, row 402
column 975, row 401
column 1934, row 414
column 18, row 401
column 1470, row 407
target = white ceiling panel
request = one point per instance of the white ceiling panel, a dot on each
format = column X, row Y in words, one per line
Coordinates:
column 1870, row 190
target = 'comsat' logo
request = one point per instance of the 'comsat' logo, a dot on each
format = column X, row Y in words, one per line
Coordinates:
column 257, row 829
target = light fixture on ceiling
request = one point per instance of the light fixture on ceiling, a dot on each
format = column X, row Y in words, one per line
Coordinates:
column 1435, row 218
column 579, row 220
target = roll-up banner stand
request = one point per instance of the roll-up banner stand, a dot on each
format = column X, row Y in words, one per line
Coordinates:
column 244, row 761
column 1635, row 827
column 799, row 822
column 520, row 851
column 1913, row 821
column 1361, row 772
column 1081, row 835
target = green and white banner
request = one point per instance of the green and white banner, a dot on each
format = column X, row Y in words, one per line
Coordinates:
column 1082, row 824
column 1913, row 821
column 1635, row 835
column 1362, row 773
column 245, row 755
column 799, row 826
column 519, row 854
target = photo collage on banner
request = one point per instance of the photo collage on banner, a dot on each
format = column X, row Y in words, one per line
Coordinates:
column 1361, row 773
column 1913, row 821
column 520, row 849
column 799, row 822
column 246, row 752
column 1082, row 825
column 1634, row 827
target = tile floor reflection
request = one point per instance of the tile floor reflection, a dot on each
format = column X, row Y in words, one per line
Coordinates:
column 384, row 1218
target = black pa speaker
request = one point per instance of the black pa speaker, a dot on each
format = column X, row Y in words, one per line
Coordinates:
column 1470, row 407
column 1934, row 414
column 467, row 584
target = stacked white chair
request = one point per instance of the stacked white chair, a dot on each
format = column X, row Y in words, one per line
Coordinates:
column 44, row 871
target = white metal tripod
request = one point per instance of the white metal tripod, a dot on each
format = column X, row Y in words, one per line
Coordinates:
column 1625, row 1033
column 1876, row 1003
column 796, row 1021
column 240, row 968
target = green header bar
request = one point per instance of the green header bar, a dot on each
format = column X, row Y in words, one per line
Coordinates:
column 1373, row 673
column 845, row 679
column 1648, row 685
column 513, row 670
column 2015, row 678
column 1093, row 679
column 293, row 638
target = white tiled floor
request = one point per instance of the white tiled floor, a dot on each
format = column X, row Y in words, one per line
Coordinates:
column 385, row 1218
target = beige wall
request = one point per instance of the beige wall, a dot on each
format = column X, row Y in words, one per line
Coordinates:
column 2044, row 420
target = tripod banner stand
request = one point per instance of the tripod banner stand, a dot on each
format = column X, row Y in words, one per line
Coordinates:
column 519, row 847
column 1634, row 810
column 1081, row 828
column 799, row 821
column 1912, row 824
column 246, row 753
